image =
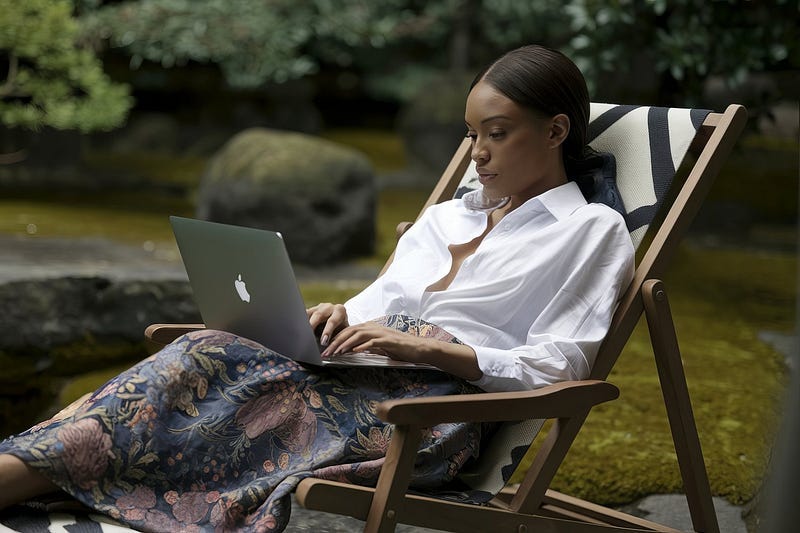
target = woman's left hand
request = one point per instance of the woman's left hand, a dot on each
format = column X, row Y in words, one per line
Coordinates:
column 370, row 337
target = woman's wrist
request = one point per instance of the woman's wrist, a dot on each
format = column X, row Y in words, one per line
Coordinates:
column 457, row 359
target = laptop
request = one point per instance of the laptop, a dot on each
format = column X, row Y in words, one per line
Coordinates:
column 243, row 283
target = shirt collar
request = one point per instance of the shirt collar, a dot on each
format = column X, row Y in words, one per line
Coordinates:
column 561, row 201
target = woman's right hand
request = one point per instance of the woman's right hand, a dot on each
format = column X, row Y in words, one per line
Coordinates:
column 334, row 316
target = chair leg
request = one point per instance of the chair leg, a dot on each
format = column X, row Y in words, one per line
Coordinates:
column 679, row 408
column 390, row 491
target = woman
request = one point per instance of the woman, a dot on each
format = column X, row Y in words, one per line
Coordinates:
column 512, row 287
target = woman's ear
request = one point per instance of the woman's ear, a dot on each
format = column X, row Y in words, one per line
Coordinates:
column 559, row 129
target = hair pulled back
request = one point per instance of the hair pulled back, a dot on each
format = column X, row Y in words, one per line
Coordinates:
column 548, row 83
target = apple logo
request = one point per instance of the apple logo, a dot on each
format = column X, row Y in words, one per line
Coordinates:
column 241, row 288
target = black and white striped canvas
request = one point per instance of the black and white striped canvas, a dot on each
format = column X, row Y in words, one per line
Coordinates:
column 22, row 519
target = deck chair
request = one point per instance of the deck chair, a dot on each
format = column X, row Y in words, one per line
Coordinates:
column 648, row 145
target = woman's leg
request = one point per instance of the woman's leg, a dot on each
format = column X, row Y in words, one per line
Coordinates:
column 19, row 482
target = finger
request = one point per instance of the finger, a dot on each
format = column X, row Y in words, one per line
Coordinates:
column 361, row 338
column 343, row 340
column 336, row 321
column 317, row 317
column 335, row 342
column 321, row 313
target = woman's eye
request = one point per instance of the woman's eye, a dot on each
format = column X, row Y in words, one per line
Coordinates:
column 496, row 134
column 471, row 136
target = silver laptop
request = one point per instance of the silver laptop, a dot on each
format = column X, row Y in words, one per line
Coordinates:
column 243, row 283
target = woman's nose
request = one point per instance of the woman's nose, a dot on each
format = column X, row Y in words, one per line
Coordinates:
column 479, row 154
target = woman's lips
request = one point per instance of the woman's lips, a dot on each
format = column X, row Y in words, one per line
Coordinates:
column 485, row 177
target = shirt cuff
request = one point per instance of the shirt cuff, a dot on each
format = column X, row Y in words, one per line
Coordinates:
column 498, row 370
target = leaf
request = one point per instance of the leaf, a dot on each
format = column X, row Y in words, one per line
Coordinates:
column 137, row 473
column 336, row 404
column 147, row 458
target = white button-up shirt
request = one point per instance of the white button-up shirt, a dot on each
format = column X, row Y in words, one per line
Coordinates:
column 536, row 298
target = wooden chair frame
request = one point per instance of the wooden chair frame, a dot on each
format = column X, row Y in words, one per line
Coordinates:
column 533, row 506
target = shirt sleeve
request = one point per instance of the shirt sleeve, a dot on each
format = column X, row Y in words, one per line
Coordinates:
column 563, row 340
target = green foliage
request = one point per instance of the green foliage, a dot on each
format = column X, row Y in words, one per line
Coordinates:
column 682, row 42
column 394, row 45
column 252, row 42
column 50, row 81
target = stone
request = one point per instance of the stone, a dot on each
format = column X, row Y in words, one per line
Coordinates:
column 318, row 194
column 52, row 321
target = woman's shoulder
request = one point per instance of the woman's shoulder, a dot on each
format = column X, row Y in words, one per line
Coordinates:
column 600, row 213
column 600, row 223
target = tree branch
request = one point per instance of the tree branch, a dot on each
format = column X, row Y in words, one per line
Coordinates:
column 13, row 67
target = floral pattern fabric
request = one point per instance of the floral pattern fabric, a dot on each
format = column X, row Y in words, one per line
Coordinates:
column 214, row 432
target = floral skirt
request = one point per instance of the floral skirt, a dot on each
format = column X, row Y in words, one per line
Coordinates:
column 215, row 431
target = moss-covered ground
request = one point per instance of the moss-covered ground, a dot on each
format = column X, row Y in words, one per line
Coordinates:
column 722, row 298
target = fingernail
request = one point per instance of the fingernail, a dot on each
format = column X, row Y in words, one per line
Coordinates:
column 324, row 340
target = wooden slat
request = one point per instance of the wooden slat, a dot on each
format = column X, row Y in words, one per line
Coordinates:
column 422, row 511
column 159, row 335
column 393, row 481
column 679, row 407
column 560, row 400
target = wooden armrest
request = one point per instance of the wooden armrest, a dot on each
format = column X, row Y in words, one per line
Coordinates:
column 402, row 228
column 560, row 400
column 159, row 335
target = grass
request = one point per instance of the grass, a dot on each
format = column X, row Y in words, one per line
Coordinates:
column 721, row 300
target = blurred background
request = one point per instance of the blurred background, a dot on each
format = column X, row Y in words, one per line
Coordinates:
column 331, row 120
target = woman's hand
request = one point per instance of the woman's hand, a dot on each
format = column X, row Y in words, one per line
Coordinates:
column 334, row 316
column 457, row 359
column 370, row 337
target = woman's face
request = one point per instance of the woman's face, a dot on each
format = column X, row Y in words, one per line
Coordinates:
column 517, row 152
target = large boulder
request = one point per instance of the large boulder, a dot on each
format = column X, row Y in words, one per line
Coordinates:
column 318, row 194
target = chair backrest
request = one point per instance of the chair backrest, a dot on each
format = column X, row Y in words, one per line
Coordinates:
column 649, row 144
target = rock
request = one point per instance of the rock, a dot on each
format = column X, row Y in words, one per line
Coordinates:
column 318, row 194
column 54, row 323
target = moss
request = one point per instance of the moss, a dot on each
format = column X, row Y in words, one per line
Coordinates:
column 394, row 206
column 77, row 387
column 107, row 216
column 91, row 353
column 17, row 367
column 313, row 293
column 383, row 148
column 183, row 171
column 755, row 163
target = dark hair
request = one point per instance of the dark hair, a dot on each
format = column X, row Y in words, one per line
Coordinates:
column 547, row 82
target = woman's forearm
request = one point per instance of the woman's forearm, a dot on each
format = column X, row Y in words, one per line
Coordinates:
column 456, row 359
